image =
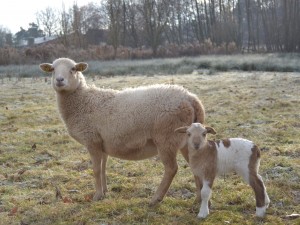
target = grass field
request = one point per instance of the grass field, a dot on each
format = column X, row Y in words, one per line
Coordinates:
column 46, row 177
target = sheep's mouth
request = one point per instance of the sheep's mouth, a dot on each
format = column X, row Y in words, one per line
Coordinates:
column 60, row 84
column 197, row 147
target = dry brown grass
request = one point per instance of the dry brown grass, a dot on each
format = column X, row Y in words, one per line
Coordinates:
column 46, row 177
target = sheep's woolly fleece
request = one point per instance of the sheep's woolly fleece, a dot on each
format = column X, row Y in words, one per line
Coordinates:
column 126, row 117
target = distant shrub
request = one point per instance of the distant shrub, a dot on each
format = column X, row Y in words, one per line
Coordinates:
column 185, row 69
column 232, row 48
column 248, row 66
column 204, row 65
column 101, row 65
column 221, row 67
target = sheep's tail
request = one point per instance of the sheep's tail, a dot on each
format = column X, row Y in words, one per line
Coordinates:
column 198, row 110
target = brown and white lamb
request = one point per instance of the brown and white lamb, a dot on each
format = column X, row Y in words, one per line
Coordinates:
column 208, row 159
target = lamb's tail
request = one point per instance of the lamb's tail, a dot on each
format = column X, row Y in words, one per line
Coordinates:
column 256, row 151
column 198, row 110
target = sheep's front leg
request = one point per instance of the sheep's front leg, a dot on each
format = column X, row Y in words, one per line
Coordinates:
column 103, row 172
column 99, row 161
column 205, row 196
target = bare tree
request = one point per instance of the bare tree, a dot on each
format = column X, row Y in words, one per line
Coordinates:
column 114, row 9
column 133, row 19
column 199, row 19
column 48, row 20
column 291, row 24
column 94, row 16
column 249, row 23
column 155, row 14
column 77, row 26
column 273, row 24
column 5, row 37
column 65, row 25
column 178, row 21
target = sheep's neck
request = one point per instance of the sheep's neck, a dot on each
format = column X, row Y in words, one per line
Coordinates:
column 82, row 101
column 67, row 102
column 204, row 161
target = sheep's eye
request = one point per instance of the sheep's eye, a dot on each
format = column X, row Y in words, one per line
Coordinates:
column 73, row 69
column 204, row 134
column 188, row 134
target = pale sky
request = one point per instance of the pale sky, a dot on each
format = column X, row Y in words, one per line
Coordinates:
column 19, row 13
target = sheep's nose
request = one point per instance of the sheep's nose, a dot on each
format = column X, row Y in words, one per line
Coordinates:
column 59, row 79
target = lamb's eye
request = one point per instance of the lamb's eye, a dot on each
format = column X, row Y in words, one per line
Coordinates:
column 73, row 70
column 204, row 134
column 188, row 134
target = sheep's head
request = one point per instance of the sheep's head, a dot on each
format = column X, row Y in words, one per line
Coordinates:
column 196, row 135
column 66, row 74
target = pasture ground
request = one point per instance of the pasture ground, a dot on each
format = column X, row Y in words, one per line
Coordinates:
column 46, row 177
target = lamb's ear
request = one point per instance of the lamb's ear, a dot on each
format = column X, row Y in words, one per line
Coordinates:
column 210, row 130
column 181, row 130
column 46, row 67
column 80, row 67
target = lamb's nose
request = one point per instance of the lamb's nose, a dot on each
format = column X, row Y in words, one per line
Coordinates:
column 59, row 79
column 196, row 146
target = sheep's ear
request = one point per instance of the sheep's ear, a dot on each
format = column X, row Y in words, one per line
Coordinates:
column 210, row 130
column 80, row 67
column 46, row 67
column 181, row 130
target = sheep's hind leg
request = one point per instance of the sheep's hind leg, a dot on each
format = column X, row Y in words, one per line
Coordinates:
column 168, row 159
column 98, row 161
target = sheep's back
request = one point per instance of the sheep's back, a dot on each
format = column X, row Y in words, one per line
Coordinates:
column 136, row 112
column 149, row 102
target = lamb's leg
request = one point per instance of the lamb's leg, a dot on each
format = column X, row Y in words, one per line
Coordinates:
column 185, row 153
column 205, row 196
column 261, row 196
column 168, row 159
column 199, row 186
column 98, row 160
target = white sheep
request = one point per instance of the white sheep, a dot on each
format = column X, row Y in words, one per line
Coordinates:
column 210, row 158
column 133, row 124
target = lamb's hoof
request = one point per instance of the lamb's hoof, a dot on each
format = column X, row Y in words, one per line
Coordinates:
column 98, row 196
column 203, row 214
column 260, row 211
column 268, row 201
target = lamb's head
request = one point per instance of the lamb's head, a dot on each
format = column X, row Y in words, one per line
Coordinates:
column 196, row 135
column 66, row 74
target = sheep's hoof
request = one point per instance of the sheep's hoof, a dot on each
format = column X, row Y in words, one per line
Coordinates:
column 98, row 196
column 154, row 202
